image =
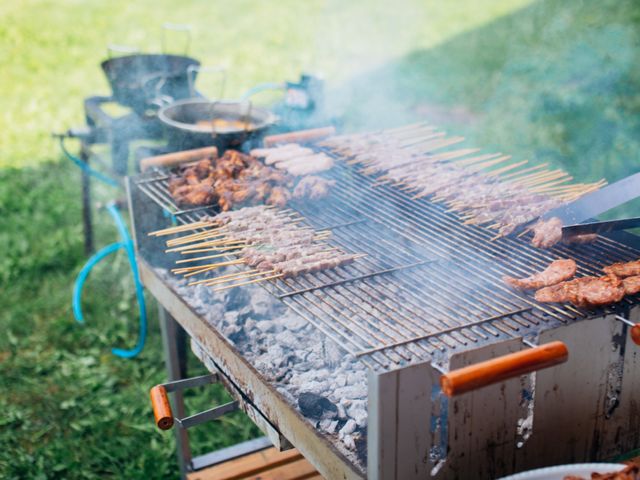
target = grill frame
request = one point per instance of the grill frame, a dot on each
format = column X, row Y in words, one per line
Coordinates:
column 389, row 371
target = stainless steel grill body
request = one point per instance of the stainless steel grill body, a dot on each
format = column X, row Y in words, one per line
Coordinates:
column 429, row 297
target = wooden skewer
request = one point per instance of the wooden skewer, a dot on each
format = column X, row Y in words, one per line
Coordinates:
column 481, row 166
column 215, row 249
column 413, row 142
column 545, row 174
column 544, row 179
column 218, row 281
column 559, row 181
column 231, row 277
column 212, row 243
column 200, row 236
column 214, row 266
column 476, row 159
column 219, row 289
column 202, row 267
column 525, row 170
column 506, row 168
column 206, row 257
column 180, row 228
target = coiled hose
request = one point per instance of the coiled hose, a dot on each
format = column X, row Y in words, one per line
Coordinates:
column 125, row 243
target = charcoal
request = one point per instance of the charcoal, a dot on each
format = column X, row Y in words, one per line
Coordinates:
column 316, row 406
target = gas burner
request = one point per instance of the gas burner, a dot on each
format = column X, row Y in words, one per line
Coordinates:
column 119, row 131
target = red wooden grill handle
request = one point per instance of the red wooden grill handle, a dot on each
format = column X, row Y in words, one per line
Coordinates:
column 176, row 158
column 498, row 369
column 634, row 331
column 299, row 136
column 161, row 407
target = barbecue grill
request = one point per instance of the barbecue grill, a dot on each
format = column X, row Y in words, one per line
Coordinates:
column 427, row 300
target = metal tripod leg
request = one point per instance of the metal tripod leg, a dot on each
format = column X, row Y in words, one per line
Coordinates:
column 171, row 339
column 86, row 203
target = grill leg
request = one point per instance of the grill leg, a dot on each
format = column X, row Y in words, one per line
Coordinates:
column 171, row 339
column 86, row 203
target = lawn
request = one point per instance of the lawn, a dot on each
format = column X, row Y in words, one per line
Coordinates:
column 546, row 80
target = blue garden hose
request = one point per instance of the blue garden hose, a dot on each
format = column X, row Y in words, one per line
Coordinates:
column 126, row 243
column 84, row 166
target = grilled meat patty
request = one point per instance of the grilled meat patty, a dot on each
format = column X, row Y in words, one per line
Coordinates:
column 584, row 292
column 556, row 272
column 626, row 269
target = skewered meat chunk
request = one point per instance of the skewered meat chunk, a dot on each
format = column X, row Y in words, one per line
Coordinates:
column 626, row 269
column 547, row 233
column 313, row 187
column 557, row 271
column 584, row 292
column 279, row 197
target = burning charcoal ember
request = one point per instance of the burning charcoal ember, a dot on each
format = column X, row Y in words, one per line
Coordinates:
column 329, row 426
column 358, row 412
column 558, row 271
column 316, row 406
column 349, row 442
column 348, row 428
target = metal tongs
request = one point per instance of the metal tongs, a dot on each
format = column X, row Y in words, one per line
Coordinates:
column 595, row 203
column 570, row 231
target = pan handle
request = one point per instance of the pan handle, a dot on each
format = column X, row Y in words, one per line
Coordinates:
column 185, row 29
column 161, row 407
column 113, row 49
column 502, row 368
column 191, row 76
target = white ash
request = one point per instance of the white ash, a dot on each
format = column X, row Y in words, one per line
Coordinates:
column 288, row 351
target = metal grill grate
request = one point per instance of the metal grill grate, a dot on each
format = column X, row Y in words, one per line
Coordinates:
column 429, row 284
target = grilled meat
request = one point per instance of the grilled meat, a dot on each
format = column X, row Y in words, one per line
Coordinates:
column 279, row 197
column 631, row 285
column 233, row 179
column 556, row 272
column 313, row 187
column 546, row 233
column 630, row 472
column 626, row 269
column 584, row 292
column 498, row 200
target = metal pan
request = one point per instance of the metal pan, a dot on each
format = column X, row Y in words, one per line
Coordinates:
column 195, row 123
column 139, row 80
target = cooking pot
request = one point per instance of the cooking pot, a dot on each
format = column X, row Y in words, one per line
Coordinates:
column 140, row 80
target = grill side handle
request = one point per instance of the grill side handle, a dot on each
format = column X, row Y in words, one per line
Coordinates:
column 502, row 368
column 172, row 159
column 161, row 407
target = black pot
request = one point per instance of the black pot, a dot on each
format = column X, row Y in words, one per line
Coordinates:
column 222, row 124
column 138, row 80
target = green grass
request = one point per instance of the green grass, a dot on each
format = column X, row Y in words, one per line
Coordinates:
column 547, row 80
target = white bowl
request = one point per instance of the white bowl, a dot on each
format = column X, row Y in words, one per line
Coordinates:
column 558, row 472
